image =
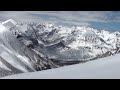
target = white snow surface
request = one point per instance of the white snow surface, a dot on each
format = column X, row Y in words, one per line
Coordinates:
column 104, row 68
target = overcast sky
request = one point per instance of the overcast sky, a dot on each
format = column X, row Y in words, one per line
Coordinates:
column 109, row 20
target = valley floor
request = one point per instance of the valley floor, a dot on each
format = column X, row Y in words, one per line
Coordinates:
column 104, row 68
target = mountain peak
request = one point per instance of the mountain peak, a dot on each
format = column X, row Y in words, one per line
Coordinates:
column 9, row 23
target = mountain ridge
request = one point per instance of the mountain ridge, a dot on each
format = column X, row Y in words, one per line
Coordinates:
column 34, row 47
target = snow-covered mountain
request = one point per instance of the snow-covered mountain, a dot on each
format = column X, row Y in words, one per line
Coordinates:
column 75, row 43
column 33, row 47
column 15, row 56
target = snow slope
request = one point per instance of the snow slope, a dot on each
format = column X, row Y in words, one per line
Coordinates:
column 12, row 52
column 104, row 68
column 15, row 56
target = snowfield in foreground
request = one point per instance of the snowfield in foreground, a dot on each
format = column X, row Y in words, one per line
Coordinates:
column 104, row 68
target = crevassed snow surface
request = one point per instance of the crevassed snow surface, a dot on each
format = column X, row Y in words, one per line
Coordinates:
column 104, row 68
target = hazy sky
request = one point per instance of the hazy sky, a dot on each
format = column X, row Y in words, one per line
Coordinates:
column 109, row 20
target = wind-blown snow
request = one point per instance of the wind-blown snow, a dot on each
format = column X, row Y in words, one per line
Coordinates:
column 105, row 68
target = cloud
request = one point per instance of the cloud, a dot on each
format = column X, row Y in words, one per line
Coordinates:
column 62, row 17
column 20, row 16
column 81, row 16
